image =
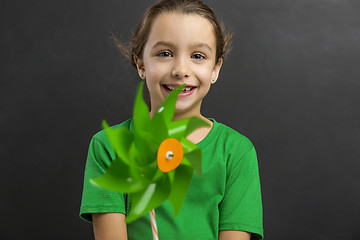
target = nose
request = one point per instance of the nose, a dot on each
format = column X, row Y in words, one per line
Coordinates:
column 180, row 69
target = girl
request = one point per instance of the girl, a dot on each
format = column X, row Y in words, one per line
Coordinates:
column 181, row 42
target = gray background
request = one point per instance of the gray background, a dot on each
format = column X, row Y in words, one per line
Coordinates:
column 291, row 84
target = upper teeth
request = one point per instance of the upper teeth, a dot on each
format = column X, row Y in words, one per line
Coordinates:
column 185, row 89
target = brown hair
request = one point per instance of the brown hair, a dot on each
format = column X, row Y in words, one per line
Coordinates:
column 137, row 42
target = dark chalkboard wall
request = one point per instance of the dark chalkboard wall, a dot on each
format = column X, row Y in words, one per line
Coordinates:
column 291, row 84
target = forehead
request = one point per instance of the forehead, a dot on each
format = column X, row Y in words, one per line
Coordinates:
column 182, row 29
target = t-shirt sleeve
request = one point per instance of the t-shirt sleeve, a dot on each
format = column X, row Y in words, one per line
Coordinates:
column 241, row 207
column 94, row 198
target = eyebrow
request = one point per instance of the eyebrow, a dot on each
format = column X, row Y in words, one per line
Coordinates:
column 169, row 44
column 163, row 43
column 203, row 45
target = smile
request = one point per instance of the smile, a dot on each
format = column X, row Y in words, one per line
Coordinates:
column 185, row 92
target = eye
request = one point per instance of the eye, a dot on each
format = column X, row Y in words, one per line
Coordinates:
column 164, row 54
column 198, row 56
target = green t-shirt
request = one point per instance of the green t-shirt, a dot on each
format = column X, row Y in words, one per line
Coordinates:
column 226, row 197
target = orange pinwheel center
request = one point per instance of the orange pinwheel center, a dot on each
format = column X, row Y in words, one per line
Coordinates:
column 169, row 155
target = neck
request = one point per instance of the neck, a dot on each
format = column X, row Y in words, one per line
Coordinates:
column 199, row 134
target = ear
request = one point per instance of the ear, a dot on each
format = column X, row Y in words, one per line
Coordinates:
column 140, row 67
column 216, row 71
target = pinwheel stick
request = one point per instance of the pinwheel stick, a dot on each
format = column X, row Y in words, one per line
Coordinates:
column 153, row 225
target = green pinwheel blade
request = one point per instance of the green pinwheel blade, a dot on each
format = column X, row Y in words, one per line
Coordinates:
column 159, row 128
column 145, row 147
column 120, row 178
column 193, row 155
column 141, row 112
column 121, row 139
column 167, row 109
column 194, row 123
column 177, row 129
column 138, row 158
column 180, row 181
column 149, row 198
column 145, row 141
column 145, row 165
column 158, row 175
column 183, row 127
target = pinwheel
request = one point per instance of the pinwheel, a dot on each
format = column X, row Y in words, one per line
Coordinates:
column 154, row 162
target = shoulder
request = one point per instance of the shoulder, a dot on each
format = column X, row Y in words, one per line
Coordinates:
column 232, row 139
column 101, row 150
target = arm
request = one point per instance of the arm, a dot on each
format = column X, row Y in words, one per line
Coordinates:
column 109, row 226
column 241, row 207
column 234, row 235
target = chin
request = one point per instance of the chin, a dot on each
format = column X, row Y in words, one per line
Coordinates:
column 186, row 110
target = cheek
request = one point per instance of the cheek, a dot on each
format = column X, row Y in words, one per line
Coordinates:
column 205, row 73
column 155, row 70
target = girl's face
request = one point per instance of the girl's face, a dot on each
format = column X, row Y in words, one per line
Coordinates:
column 181, row 48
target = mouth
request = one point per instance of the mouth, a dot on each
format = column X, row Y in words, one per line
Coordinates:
column 171, row 87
